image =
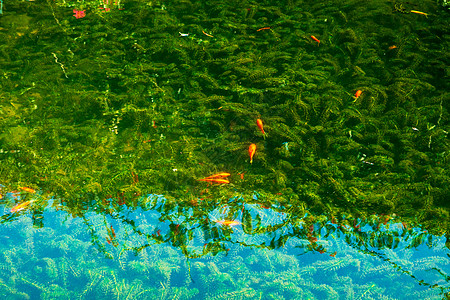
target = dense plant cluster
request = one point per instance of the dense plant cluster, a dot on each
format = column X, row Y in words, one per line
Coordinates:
column 151, row 97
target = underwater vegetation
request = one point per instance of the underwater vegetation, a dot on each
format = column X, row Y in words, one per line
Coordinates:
column 105, row 102
column 160, row 252
column 152, row 96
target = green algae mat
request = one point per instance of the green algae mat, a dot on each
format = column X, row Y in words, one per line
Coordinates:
column 310, row 120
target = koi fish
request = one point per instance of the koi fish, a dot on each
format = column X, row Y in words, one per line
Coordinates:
column 251, row 151
column 228, row 222
column 259, row 122
column 21, row 206
column 27, row 189
column 316, row 39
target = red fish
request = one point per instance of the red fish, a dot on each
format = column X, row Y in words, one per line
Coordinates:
column 259, row 122
column 357, row 95
column 263, row 28
column 316, row 39
column 251, row 152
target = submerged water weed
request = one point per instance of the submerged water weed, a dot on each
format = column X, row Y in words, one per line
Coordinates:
column 119, row 104
column 169, row 249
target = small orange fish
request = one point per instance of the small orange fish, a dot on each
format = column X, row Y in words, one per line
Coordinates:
column 27, row 189
column 358, row 93
column 264, row 28
column 259, row 122
column 316, row 39
column 21, row 206
column 333, row 254
column 251, row 152
column 216, row 180
column 419, row 12
column 228, row 222
column 207, row 34
column 218, row 175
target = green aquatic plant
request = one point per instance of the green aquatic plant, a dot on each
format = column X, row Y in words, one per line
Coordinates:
column 210, row 276
column 99, row 111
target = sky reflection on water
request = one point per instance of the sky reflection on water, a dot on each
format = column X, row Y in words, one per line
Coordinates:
column 140, row 255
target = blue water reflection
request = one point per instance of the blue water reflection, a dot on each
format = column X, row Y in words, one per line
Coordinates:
column 152, row 252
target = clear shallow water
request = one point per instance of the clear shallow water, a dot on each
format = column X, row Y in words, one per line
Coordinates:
column 148, row 253
column 138, row 97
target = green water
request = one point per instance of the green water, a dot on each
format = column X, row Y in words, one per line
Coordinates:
column 106, row 104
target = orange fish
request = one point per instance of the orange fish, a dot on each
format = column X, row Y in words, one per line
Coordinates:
column 207, row 34
column 358, row 93
column 218, row 175
column 316, row 39
column 27, row 189
column 216, row 180
column 228, row 222
column 21, row 206
column 260, row 125
column 251, row 152
column 263, row 28
column 419, row 12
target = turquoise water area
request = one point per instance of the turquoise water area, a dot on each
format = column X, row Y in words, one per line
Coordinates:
column 70, row 257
